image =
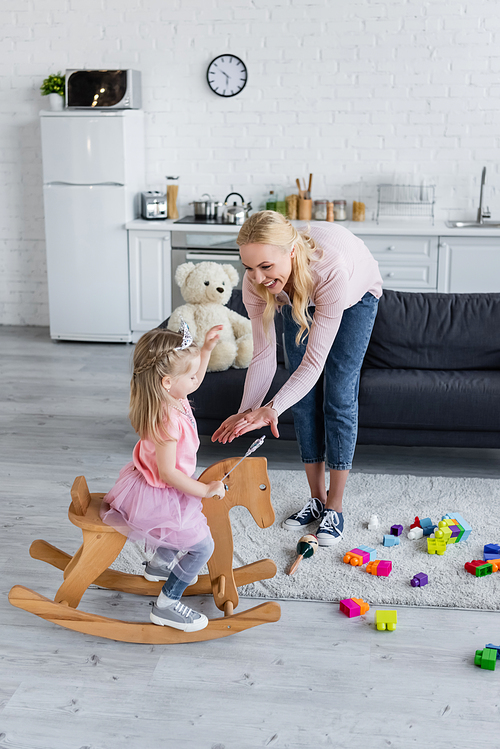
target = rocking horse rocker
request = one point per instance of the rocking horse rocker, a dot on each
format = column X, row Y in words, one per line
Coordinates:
column 247, row 486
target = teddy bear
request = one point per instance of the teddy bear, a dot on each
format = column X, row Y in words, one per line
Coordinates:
column 206, row 287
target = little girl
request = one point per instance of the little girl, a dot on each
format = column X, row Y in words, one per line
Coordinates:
column 155, row 498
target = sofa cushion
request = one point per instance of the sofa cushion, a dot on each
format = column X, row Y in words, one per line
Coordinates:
column 429, row 399
column 436, row 331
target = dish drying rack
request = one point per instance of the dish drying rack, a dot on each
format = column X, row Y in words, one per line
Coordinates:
column 406, row 200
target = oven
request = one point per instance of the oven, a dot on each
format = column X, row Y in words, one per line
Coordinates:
column 199, row 246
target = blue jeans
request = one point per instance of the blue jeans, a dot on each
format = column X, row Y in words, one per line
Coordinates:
column 326, row 419
column 185, row 566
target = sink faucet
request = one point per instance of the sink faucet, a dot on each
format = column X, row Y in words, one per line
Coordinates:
column 481, row 215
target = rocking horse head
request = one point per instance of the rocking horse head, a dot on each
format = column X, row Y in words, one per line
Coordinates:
column 247, row 486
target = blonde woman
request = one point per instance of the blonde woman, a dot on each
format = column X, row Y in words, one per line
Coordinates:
column 326, row 284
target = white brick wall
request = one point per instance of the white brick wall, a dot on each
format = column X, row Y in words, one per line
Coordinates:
column 359, row 90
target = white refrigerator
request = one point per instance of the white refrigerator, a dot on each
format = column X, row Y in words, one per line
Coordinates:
column 93, row 173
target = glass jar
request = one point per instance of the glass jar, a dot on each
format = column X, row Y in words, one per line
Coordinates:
column 340, row 210
column 271, row 201
column 320, row 210
column 172, row 193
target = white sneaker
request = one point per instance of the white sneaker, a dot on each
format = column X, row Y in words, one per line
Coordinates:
column 331, row 528
column 179, row 616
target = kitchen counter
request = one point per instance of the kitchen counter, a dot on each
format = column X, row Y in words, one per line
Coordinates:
column 360, row 228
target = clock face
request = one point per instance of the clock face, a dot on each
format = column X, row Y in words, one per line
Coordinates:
column 227, row 75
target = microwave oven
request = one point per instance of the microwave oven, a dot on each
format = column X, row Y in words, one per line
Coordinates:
column 103, row 89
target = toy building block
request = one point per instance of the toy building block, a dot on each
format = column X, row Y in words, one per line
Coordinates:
column 419, row 580
column 379, row 567
column 494, row 647
column 416, row 523
column 356, row 557
column 455, row 534
column 479, row 568
column 491, row 551
column 443, row 531
column 373, row 523
column 390, row 540
column 353, row 607
column 461, row 522
column 396, row 530
column 415, row 532
column 386, row 619
column 427, row 526
column 436, row 546
column 369, row 550
column 486, row 658
column 495, row 563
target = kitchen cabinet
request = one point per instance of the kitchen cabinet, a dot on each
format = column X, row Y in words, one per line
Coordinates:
column 406, row 263
column 150, row 280
column 469, row 264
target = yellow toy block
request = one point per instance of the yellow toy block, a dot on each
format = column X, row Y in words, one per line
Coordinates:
column 386, row 619
column 436, row 546
column 443, row 531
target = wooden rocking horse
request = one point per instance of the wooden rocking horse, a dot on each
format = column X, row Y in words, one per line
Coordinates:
column 248, row 486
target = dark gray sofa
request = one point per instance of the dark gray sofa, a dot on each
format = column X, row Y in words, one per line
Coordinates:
column 431, row 374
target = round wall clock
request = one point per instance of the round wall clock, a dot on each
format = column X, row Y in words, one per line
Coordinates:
column 227, row 75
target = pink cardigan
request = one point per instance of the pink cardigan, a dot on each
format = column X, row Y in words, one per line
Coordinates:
column 345, row 273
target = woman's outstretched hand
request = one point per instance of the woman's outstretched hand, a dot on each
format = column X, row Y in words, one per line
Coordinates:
column 239, row 424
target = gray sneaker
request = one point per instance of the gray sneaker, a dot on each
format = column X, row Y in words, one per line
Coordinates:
column 179, row 616
column 311, row 512
column 155, row 573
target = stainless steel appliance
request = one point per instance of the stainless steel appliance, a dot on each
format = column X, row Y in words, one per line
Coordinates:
column 103, row 89
column 153, row 204
column 238, row 214
column 199, row 246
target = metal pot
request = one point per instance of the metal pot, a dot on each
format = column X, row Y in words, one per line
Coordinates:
column 237, row 214
column 201, row 207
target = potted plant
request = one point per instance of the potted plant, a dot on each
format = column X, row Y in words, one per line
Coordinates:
column 53, row 87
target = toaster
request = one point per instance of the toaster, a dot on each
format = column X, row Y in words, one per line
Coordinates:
column 154, row 204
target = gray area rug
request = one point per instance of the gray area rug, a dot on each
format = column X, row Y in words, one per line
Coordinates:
column 395, row 500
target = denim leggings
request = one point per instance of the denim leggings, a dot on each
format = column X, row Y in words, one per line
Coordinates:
column 184, row 565
column 326, row 419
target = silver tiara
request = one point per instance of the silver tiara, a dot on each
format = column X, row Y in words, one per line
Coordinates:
column 187, row 338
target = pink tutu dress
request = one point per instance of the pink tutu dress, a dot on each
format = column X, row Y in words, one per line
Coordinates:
column 142, row 506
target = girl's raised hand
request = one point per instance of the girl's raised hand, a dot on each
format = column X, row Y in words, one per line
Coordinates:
column 212, row 337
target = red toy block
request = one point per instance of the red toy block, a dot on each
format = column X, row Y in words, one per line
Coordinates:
column 479, row 567
column 416, row 523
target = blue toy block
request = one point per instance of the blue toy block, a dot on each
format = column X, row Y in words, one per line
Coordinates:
column 491, row 551
column 467, row 528
column 425, row 522
column 428, row 529
column 494, row 647
column 371, row 551
column 390, row 540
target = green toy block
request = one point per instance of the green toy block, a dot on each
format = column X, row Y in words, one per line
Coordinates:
column 386, row 620
column 486, row 658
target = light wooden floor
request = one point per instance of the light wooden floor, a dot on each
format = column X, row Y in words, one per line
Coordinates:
column 314, row 679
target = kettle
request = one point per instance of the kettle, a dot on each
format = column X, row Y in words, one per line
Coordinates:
column 238, row 214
